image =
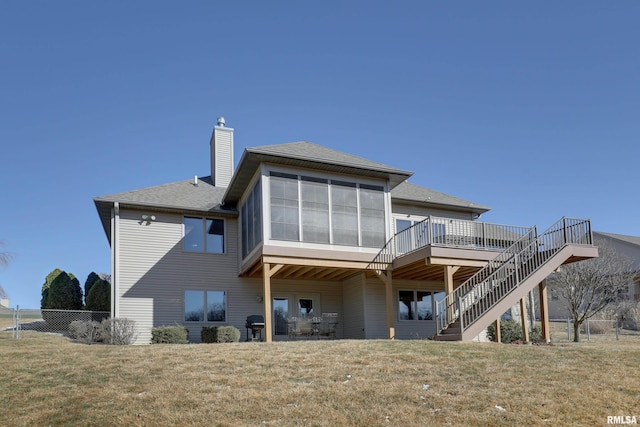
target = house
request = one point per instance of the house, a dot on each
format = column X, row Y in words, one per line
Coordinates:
column 297, row 230
column 626, row 246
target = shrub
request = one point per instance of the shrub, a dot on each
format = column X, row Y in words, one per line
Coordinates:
column 170, row 335
column 511, row 331
column 218, row 334
column 64, row 293
column 85, row 331
column 118, row 331
column 99, row 297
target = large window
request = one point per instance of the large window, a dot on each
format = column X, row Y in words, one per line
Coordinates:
column 284, row 206
column 203, row 235
column 344, row 213
column 415, row 305
column 251, row 217
column 205, row 306
column 318, row 210
column 372, row 216
column 315, row 210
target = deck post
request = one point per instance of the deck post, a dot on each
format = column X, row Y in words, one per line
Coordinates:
column 523, row 319
column 498, row 331
column 544, row 312
column 266, row 284
column 388, row 287
column 449, row 271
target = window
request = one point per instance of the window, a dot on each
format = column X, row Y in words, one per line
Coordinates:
column 251, row 217
column 372, row 224
column 203, row 235
column 284, row 206
column 319, row 210
column 315, row 210
column 344, row 213
column 415, row 305
column 199, row 303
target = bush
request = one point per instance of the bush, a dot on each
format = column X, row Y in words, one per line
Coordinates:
column 218, row 334
column 170, row 335
column 118, row 331
column 511, row 331
column 87, row 332
column 64, row 293
column 99, row 297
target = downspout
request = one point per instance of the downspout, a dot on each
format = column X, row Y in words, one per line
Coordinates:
column 115, row 270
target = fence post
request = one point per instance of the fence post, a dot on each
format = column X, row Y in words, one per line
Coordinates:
column 589, row 330
column 617, row 332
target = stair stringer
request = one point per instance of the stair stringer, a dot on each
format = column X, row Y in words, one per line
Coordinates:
column 525, row 286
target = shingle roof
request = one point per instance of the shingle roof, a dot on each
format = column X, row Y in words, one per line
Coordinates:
column 310, row 155
column 176, row 196
column 416, row 194
column 634, row 240
column 309, row 151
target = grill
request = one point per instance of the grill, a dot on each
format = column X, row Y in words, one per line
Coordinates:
column 254, row 325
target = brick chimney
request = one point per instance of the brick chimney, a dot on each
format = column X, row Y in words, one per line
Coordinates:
column 221, row 154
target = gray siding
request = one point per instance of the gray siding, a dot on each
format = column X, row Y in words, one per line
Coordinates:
column 154, row 272
column 376, row 313
column 375, row 310
column 222, row 156
column 353, row 297
column 404, row 209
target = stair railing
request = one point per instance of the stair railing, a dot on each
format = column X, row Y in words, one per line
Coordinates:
column 507, row 271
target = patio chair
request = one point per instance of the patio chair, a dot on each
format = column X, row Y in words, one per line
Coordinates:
column 329, row 325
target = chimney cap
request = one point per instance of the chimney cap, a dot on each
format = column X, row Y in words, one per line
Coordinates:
column 221, row 121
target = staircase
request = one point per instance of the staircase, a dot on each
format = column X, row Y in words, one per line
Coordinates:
column 475, row 304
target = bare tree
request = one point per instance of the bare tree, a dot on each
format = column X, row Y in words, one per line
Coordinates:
column 588, row 287
column 5, row 257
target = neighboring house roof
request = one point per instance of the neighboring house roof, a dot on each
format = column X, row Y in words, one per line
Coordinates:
column 309, row 155
column 416, row 194
column 634, row 240
column 181, row 196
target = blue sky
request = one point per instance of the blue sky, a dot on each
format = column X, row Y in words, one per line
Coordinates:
column 531, row 108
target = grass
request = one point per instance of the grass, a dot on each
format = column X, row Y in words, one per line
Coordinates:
column 49, row 380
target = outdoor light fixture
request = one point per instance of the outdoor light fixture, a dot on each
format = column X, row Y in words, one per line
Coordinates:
column 148, row 219
column 259, row 298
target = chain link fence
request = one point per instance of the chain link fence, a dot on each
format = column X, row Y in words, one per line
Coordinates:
column 49, row 321
column 596, row 330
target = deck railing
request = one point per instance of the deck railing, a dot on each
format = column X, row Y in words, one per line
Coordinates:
column 468, row 302
column 448, row 232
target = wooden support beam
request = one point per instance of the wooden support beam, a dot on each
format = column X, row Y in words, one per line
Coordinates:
column 449, row 271
column 498, row 331
column 544, row 312
column 459, row 262
column 388, row 287
column 523, row 319
column 266, row 285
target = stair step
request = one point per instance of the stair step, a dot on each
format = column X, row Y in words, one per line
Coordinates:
column 448, row 337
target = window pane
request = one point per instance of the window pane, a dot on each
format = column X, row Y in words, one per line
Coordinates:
column 216, row 306
column 344, row 213
column 305, row 307
column 215, row 236
column 315, row 210
column 257, row 214
column 425, row 305
column 193, row 240
column 245, row 240
column 280, row 316
column 284, row 207
column 405, row 305
column 372, row 223
column 193, row 306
